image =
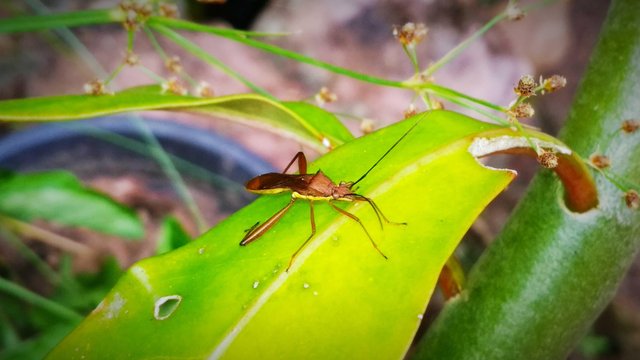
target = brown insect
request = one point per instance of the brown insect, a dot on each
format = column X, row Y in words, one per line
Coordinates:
column 312, row 187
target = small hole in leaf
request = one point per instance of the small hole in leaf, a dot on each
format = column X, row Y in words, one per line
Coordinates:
column 166, row 306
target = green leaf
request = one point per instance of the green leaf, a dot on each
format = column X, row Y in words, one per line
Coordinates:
column 59, row 197
column 172, row 236
column 305, row 123
column 340, row 299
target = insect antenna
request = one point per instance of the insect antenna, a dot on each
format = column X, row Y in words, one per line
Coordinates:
column 389, row 150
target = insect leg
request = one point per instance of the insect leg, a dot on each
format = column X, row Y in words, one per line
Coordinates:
column 256, row 231
column 377, row 210
column 313, row 232
column 356, row 219
column 302, row 163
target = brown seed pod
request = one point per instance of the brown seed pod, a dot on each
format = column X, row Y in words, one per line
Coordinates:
column 632, row 199
column 600, row 161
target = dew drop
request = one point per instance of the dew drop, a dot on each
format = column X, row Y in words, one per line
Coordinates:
column 306, row 286
column 255, row 284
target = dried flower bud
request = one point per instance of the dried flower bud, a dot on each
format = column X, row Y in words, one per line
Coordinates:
column 514, row 13
column 548, row 159
column 168, row 10
column 144, row 10
column 526, row 86
column 366, row 126
column 600, row 161
column 324, row 96
column 130, row 22
column 554, row 83
column 173, row 64
column 410, row 34
column 204, row 90
column 523, row 110
column 126, row 5
column 95, row 87
column 173, row 86
column 630, row 126
column 131, row 58
column 410, row 111
column 632, row 199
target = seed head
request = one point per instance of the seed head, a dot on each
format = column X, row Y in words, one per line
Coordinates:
column 600, row 161
column 526, row 86
column 143, row 9
column 126, row 5
column 554, row 83
column 173, row 86
column 410, row 34
column 410, row 111
column 168, row 10
column 632, row 199
column 325, row 96
column 514, row 13
column 173, row 64
column 131, row 59
column 630, row 126
column 367, row 126
column 130, row 22
column 204, row 90
column 523, row 110
column 548, row 159
column 95, row 87
column 436, row 104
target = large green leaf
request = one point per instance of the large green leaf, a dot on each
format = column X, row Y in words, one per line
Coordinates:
column 306, row 123
column 340, row 299
column 59, row 197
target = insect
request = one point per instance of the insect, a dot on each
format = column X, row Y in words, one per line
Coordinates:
column 313, row 187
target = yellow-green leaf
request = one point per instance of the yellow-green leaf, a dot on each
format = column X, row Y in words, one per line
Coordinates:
column 340, row 300
column 305, row 123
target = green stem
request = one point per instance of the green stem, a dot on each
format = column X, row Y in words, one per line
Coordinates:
column 463, row 45
column 30, row 23
column 45, row 236
column 66, row 35
column 208, row 58
column 155, row 44
column 169, row 168
column 30, row 297
column 40, row 265
column 185, row 25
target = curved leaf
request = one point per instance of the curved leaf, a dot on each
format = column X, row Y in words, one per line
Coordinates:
column 293, row 119
column 340, row 299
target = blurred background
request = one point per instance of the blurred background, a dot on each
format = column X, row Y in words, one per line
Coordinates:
column 555, row 39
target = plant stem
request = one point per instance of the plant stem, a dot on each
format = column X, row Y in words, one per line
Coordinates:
column 30, row 23
column 45, row 236
column 185, row 25
column 209, row 59
column 31, row 256
column 30, row 297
